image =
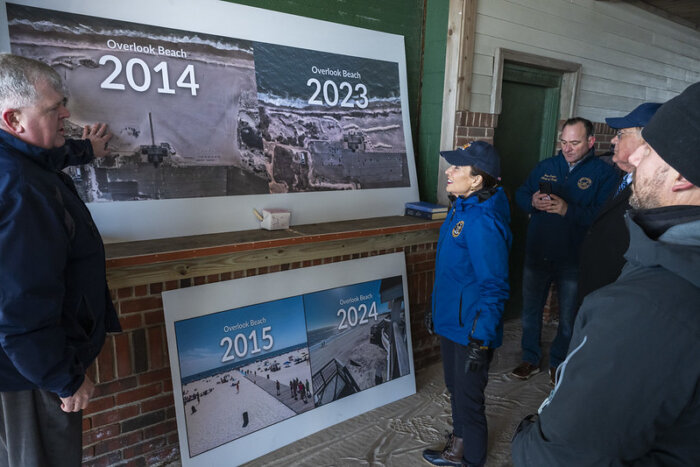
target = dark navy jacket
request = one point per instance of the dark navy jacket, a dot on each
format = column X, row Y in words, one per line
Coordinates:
column 471, row 270
column 54, row 302
column 558, row 238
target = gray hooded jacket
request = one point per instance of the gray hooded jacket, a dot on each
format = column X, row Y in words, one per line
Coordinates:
column 629, row 390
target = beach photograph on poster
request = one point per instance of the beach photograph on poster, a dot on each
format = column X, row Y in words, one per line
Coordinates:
column 357, row 337
column 329, row 121
column 200, row 115
column 242, row 370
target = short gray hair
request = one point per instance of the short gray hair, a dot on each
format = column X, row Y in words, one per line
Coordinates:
column 18, row 79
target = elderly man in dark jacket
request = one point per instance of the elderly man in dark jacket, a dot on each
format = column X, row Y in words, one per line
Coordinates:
column 627, row 393
column 603, row 248
column 55, row 306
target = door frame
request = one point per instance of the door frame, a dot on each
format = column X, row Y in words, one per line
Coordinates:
column 571, row 77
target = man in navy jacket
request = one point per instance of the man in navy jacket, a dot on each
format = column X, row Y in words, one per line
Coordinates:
column 562, row 195
column 55, row 307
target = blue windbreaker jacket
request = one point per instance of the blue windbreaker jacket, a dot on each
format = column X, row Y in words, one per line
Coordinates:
column 55, row 306
column 558, row 238
column 471, row 270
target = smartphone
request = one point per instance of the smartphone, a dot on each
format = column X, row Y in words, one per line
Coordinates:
column 546, row 189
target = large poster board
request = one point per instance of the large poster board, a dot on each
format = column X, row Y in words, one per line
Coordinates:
column 262, row 361
column 214, row 112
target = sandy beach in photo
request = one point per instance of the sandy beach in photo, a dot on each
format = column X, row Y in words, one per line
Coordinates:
column 218, row 415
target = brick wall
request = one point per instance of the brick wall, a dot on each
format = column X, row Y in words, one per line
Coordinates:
column 470, row 126
column 131, row 419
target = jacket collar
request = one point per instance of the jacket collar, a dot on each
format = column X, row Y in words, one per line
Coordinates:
column 46, row 158
column 584, row 160
column 668, row 237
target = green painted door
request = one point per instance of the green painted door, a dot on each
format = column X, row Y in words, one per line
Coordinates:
column 526, row 133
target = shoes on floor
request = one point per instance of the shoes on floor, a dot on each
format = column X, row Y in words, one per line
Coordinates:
column 450, row 455
column 525, row 370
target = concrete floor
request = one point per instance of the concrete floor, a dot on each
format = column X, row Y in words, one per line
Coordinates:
column 397, row 433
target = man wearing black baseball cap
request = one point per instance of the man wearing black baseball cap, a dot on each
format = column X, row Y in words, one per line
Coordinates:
column 605, row 243
column 628, row 390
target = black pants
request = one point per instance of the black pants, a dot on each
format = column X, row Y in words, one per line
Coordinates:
column 35, row 432
column 467, row 400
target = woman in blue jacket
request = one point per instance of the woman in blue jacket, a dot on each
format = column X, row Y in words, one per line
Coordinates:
column 470, row 290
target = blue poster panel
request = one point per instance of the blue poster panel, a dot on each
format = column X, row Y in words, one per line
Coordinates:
column 305, row 361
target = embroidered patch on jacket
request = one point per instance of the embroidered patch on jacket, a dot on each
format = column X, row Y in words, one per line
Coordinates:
column 548, row 178
column 584, row 183
column 458, row 229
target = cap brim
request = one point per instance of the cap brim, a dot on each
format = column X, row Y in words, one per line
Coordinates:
column 618, row 123
column 452, row 157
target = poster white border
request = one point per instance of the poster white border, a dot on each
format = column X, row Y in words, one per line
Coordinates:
column 211, row 298
column 141, row 220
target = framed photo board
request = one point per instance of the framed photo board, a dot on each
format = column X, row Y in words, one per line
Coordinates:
column 260, row 362
column 218, row 108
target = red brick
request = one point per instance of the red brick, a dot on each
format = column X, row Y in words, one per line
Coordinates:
column 156, row 288
column 238, row 274
column 168, row 385
column 251, row 272
column 199, row 280
column 211, row 278
column 89, row 452
column 153, row 317
column 153, row 376
column 155, row 347
column 157, row 403
column 275, row 268
column 147, row 447
column 133, row 321
column 105, row 361
column 137, row 462
column 91, row 372
column 263, row 270
column 163, row 456
column 87, row 423
column 226, row 276
column 123, row 351
column 160, row 429
column 114, row 416
column 98, row 434
column 138, row 394
column 114, row 387
column 140, row 290
column 125, row 292
column 98, row 404
column 105, row 461
column 170, row 285
column 140, row 304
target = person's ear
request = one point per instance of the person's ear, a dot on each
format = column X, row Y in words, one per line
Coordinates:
column 591, row 141
column 681, row 184
column 478, row 182
column 11, row 121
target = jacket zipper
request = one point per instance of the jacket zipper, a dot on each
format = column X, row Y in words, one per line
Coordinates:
column 476, row 318
column 437, row 255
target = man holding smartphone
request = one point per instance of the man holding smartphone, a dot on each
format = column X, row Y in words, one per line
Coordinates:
column 562, row 195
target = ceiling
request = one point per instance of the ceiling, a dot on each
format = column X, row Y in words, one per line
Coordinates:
column 685, row 12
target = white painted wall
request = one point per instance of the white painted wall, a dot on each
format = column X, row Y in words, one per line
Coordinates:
column 628, row 55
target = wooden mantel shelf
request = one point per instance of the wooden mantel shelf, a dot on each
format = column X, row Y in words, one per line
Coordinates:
column 148, row 252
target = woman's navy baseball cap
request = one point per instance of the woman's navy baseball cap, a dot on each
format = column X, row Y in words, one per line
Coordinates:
column 479, row 154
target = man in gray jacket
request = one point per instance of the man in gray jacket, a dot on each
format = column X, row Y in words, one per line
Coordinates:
column 627, row 393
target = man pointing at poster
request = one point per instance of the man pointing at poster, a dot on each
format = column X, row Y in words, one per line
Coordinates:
column 55, row 306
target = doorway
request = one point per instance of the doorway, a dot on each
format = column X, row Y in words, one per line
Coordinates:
column 526, row 134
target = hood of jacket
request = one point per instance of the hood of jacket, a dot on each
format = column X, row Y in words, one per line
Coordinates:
column 668, row 237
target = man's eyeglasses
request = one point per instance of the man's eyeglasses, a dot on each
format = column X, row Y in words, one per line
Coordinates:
column 621, row 133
